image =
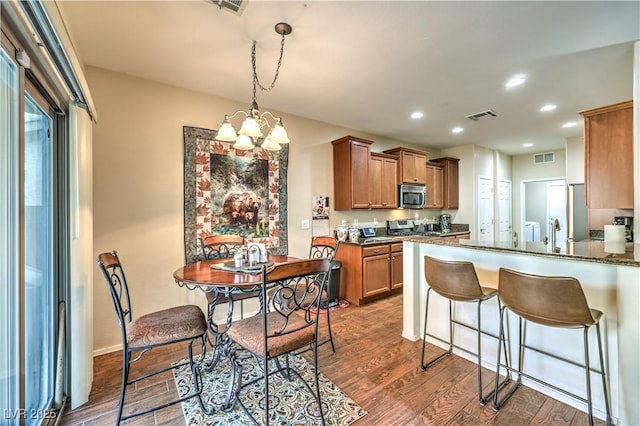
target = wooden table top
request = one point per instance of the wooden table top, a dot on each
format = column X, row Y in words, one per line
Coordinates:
column 202, row 274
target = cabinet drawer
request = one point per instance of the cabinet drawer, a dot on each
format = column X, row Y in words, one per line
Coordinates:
column 396, row 247
column 375, row 250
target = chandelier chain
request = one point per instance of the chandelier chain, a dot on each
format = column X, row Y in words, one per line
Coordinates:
column 256, row 80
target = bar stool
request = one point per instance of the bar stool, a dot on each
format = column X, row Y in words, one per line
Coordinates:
column 458, row 282
column 554, row 302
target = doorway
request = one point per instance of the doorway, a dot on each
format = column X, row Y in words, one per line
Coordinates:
column 32, row 227
column 544, row 201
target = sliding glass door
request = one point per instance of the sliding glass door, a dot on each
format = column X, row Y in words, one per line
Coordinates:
column 9, row 284
column 31, row 215
column 40, row 304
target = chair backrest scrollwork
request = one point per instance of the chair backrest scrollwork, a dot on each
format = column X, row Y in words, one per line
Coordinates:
column 221, row 246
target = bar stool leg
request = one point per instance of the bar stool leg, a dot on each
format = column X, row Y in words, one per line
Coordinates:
column 497, row 402
column 424, row 365
column 588, row 373
column 483, row 401
column 499, row 384
column 605, row 386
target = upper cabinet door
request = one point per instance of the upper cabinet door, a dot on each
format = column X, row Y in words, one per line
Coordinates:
column 351, row 174
column 435, row 185
column 412, row 165
column 608, row 137
column 450, row 182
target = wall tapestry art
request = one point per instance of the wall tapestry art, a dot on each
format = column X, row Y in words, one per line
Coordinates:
column 228, row 191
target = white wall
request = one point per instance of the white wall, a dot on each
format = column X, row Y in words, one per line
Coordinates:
column 575, row 160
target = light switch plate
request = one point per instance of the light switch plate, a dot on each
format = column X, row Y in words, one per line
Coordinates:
column 304, row 224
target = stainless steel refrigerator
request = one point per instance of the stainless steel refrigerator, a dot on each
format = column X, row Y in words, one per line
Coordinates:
column 577, row 214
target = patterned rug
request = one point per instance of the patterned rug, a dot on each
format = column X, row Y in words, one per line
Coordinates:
column 295, row 405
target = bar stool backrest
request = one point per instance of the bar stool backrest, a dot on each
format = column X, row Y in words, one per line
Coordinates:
column 455, row 280
column 548, row 300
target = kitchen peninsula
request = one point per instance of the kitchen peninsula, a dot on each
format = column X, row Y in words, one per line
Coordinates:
column 610, row 277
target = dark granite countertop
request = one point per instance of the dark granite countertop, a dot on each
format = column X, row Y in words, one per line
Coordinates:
column 627, row 254
column 386, row 239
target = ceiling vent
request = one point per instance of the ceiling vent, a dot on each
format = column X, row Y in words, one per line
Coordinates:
column 545, row 157
column 480, row 115
column 233, row 6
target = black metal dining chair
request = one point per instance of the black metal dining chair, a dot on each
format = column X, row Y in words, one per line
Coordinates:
column 140, row 335
column 222, row 247
column 325, row 247
column 290, row 294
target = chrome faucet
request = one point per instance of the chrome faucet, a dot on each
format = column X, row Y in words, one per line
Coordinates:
column 555, row 227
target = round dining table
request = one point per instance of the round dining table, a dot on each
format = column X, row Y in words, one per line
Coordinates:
column 227, row 283
column 207, row 276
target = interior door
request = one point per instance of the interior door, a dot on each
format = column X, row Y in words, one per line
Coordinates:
column 505, row 228
column 485, row 209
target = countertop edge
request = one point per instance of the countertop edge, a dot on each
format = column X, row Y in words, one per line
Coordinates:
column 578, row 257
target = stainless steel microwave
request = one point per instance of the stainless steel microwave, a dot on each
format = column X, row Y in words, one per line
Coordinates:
column 412, row 196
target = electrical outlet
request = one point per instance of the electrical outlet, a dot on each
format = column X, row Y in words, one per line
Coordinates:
column 304, row 224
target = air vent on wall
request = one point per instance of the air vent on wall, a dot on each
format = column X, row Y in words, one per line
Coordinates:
column 545, row 157
column 233, row 6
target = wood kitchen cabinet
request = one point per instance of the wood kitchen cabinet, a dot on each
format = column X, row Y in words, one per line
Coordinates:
column 362, row 179
column 608, row 143
column 370, row 271
column 383, row 191
column 435, row 185
column 450, row 186
column 396, row 265
column 351, row 157
column 411, row 165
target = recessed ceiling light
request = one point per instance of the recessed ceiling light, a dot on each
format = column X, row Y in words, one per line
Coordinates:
column 548, row 107
column 569, row 124
column 516, row 81
column 457, row 130
column 527, row 145
column 417, row 115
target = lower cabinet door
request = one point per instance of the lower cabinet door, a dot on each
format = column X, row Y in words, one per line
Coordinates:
column 396, row 270
column 375, row 275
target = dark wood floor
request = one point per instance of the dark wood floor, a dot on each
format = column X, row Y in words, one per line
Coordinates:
column 374, row 365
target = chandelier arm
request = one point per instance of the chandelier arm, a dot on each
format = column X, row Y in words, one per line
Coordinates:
column 256, row 80
column 229, row 117
column 262, row 118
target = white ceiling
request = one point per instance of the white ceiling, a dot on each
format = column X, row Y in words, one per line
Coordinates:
column 366, row 65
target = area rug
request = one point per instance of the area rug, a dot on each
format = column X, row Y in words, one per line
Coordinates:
column 295, row 405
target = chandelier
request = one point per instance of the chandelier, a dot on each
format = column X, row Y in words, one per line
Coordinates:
column 251, row 130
